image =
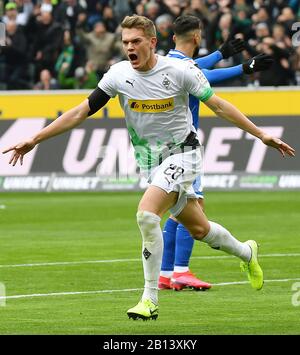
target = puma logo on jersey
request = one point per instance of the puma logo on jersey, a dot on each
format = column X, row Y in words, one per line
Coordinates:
column 152, row 106
column 130, row 82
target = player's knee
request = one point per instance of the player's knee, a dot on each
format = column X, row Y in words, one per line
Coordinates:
column 147, row 222
column 199, row 232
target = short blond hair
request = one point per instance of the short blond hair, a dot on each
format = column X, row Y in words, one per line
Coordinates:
column 142, row 22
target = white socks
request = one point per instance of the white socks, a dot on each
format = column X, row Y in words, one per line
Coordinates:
column 181, row 268
column 149, row 224
column 220, row 238
column 167, row 274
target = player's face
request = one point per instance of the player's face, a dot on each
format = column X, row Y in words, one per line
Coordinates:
column 139, row 48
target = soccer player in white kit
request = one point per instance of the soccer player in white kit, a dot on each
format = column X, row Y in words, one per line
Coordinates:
column 153, row 92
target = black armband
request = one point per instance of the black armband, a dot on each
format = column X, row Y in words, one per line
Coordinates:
column 97, row 100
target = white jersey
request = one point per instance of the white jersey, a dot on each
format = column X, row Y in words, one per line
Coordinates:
column 156, row 104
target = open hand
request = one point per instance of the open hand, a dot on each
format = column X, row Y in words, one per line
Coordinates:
column 19, row 150
column 232, row 47
column 278, row 144
column 258, row 63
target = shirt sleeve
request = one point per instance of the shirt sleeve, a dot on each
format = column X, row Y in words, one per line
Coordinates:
column 195, row 83
column 209, row 60
column 217, row 75
column 108, row 83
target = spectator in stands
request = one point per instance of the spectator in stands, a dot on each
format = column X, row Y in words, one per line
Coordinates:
column 243, row 24
column 67, row 13
column 287, row 18
column 122, row 8
column 164, row 34
column 152, row 10
column 25, row 8
column 261, row 31
column 280, row 72
column 109, row 20
column 94, row 7
column 100, row 45
column 48, row 40
column 12, row 13
column 84, row 78
column 225, row 27
column 224, row 32
column 198, row 8
column 15, row 57
column 174, row 7
column 280, row 36
column 67, row 53
column 261, row 16
column 220, row 29
column 119, row 54
column 46, row 82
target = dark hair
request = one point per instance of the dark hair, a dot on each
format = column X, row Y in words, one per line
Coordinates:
column 186, row 23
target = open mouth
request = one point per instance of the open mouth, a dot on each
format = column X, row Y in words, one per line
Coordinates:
column 132, row 57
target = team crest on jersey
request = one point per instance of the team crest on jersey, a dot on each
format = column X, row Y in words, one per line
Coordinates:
column 166, row 82
column 151, row 106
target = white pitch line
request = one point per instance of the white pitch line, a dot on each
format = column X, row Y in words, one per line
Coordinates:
column 125, row 290
column 70, row 263
column 260, row 255
column 69, row 293
column 246, row 282
column 134, row 260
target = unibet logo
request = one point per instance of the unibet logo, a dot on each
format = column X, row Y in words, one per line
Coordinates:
column 151, row 106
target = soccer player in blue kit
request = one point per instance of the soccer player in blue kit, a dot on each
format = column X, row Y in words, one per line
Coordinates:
column 178, row 244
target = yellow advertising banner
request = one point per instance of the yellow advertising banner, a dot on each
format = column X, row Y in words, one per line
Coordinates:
column 258, row 102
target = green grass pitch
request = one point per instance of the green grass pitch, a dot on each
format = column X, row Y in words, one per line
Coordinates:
column 70, row 264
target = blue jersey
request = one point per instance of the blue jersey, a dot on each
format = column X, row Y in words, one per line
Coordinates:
column 213, row 76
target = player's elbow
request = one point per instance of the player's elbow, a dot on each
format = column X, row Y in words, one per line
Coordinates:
column 80, row 116
column 81, row 113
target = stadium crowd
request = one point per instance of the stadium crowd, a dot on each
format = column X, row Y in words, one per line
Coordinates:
column 65, row 44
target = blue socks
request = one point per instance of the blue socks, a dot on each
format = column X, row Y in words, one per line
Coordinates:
column 184, row 246
column 169, row 236
column 178, row 246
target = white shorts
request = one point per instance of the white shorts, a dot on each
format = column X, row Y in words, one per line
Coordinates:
column 177, row 173
column 198, row 187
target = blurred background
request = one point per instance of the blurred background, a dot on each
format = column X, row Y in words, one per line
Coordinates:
column 47, row 40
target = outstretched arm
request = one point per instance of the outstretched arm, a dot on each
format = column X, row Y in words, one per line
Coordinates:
column 255, row 64
column 224, row 109
column 63, row 123
column 228, row 49
column 209, row 61
column 216, row 75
